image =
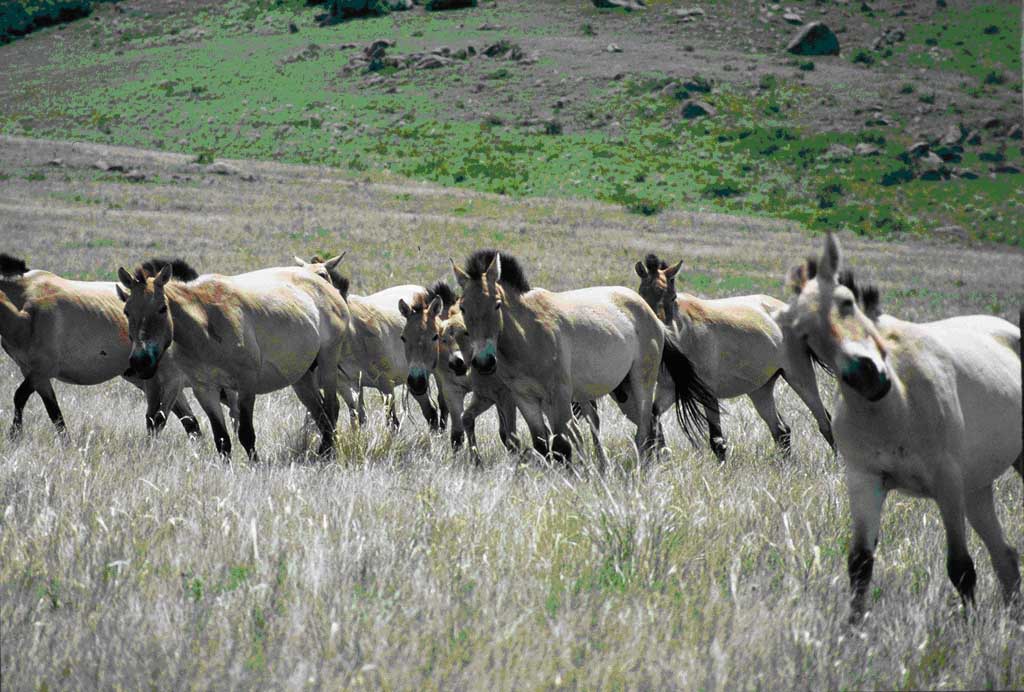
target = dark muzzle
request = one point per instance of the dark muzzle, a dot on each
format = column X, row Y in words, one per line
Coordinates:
column 417, row 383
column 457, row 365
column 862, row 375
column 144, row 362
column 485, row 363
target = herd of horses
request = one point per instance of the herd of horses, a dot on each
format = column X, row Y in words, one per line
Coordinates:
column 933, row 410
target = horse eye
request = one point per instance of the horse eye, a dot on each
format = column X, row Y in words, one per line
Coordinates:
column 402, row 338
column 435, row 338
column 163, row 309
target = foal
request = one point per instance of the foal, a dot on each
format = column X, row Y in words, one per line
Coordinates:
column 736, row 347
column 932, row 410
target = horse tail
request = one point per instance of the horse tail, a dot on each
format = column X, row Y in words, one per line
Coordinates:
column 15, row 324
column 11, row 266
column 692, row 393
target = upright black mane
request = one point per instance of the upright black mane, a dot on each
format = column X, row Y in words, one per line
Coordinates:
column 867, row 296
column 442, row 290
column 180, row 269
column 512, row 275
column 12, row 266
column 654, row 263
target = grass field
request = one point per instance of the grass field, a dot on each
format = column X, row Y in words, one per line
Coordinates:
column 133, row 563
column 230, row 80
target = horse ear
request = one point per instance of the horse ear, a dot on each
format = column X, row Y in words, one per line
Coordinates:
column 494, row 270
column 404, row 308
column 640, row 269
column 670, row 273
column 125, row 277
column 460, row 276
column 831, row 259
column 163, row 277
column 299, row 261
column 796, row 278
column 335, row 261
column 435, row 307
column 120, row 293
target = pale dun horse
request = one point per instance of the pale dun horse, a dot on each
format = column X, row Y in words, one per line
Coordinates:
column 433, row 330
column 551, row 349
column 75, row 332
column 736, row 348
column 251, row 333
column 932, row 410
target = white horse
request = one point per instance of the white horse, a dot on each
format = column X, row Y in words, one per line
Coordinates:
column 933, row 410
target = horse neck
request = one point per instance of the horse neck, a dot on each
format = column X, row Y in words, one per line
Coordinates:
column 519, row 318
column 187, row 312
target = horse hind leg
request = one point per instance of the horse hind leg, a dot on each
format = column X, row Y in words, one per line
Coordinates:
column 209, row 401
column 21, row 396
column 981, row 512
column 763, row 399
column 950, row 497
column 45, row 390
column 715, row 436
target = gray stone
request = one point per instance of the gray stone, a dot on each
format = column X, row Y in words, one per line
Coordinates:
column 866, row 149
column 814, row 39
column 697, row 109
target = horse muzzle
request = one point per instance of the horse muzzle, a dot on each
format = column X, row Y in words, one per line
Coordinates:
column 417, row 382
column 863, row 375
column 485, row 363
column 143, row 362
column 457, row 365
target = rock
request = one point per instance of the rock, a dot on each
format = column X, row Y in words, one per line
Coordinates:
column 699, row 83
column 918, row 149
column 135, row 175
column 965, row 173
column 55, row 162
column 310, row 52
column 838, row 152
column 814, row 39
column 952, row 233
column 503, row 48
column 688, row 13
column 879, row 120
column 992, row 124
column 613, row 48
column 377, row 49
column 221, row 168
column 950, row 152
column 292, row 28
column 399, row 5
column 1006, row 168
column 932, row 167
column 697, row 109
column 101, row 165
column 1014, row 132
column 973, row 137
column 866, row 149
column 431, row 62
column 793, row 18
column 628, row 5
column 954, row 134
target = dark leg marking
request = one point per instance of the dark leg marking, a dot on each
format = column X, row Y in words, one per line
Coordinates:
column 961, row 573
column 859, row 565
column 21, row 395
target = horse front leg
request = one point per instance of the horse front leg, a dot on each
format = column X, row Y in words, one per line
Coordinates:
column 981, row 512
column 561, row 418
column 209, row 401
column 452, row 399
column 21, row 396
column 476, row 407
column 949, row 494
column 867, row 496
column 246, row 431
column 715, row 436
column 799, row 374
column 45, row 390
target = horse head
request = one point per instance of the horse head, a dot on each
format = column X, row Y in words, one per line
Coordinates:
column 149, row 322
column 658, row 285
column 833, row 320
column 421, row 337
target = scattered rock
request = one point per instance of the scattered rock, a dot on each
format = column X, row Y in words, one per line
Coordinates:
column 505, row 49
column 222, row 168
column 491, row 27
column 310, row 52
column 793, row 18
column 697, row 109
column 992, row 123
column 699, row 83
column 431, row 62
column 879, row 120
column 135, row 175
column 814, row 39
column 952, row 233
column 973, row 138
column 932, row 167
column 1015, row 131
column 628, row 5
column 954, row 134
column 688, row 14
column 866, row 149
column 890, row 37
column 613, row 48
column 918, row 149
column 965, row 173
column 1006, row 168
column 377, row 49
column 109, row 167
column 55, row 162
column 838, row 152
column 399, row 5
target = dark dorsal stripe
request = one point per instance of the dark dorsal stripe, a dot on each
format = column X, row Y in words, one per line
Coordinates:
column 12, row 266
column 512, row 275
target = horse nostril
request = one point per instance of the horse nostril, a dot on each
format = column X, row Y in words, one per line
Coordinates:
column 485, row 364
column 417, row 384
column 457, row 365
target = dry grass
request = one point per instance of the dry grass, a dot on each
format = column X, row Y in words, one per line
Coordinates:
column 131, row 563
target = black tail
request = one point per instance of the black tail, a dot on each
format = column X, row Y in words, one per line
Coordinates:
column 12, row 266
column 692, row 394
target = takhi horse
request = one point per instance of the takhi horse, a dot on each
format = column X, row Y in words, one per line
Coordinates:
column 251, row 333
column 932, row 410
column 551, row 349
column 75, row 332
column 736, row 348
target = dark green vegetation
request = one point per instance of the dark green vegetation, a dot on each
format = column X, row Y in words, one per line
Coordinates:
column 231, row 82
column 20, row 17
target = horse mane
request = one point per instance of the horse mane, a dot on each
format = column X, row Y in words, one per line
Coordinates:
column 441, row 289
column 12, row 266
column 654, row 263
column 512, row 274
column 868, row 297
column 180, row 269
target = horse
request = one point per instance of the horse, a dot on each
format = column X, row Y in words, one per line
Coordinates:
column 75, row 332
column 250, row 333
column 551, row 349
column 433, row 331
column 372, row 353
column 737, row 349
column 928, row 409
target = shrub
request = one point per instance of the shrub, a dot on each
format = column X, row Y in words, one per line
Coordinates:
column 20, row 18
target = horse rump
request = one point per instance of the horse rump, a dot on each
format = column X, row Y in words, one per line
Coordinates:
column 692, row 395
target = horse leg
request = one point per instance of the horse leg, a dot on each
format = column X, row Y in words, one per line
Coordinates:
column 476, row 408
column 533, row 414
column 21, row 395
column 209, row 401
column 452, row 400
column 246, row 432
column 45, row 390
column 390, row 405
column 867, row 496
column 949, row 494
column 763, row 399
column 714, row 416
column 594, row 421
column 442, row 405
column 981, row 512
column 799, row 374
column 309, row 394
column 229, row 398
column 506, row 408
column 429, row 412
column 563, row 433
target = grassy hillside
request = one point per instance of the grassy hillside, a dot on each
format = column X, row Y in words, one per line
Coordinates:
column 567, row 118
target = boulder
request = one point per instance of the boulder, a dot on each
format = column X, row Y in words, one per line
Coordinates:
column 838, row 152
column 793, row 18
column 952, row 233
column 866, row 149
column 431, row 62
column 628, row 5
column 613, row 48
column 814, row 39
column 697, row 109
column 222, row 168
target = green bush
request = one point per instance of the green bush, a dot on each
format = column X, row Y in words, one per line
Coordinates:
column 18, row 18
column 340, row 10
column 437, row 5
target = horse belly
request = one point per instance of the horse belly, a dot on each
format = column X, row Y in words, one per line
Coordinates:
column 600, row 362
column 93, row 354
